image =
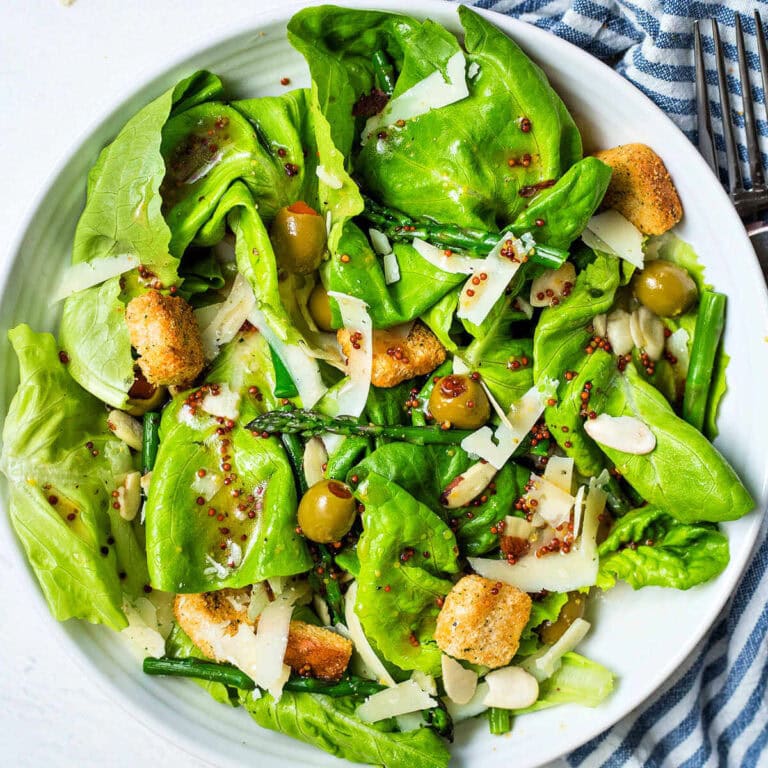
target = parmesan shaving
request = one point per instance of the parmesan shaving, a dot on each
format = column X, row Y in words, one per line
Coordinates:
column 559, row 471
column 622, row 238
column 400, row 699
column 391, row 268
column 549, row 500
column 229, row 318
column 460, row 683
column 225, row 403
column 445, row 260
column 86, row 274
column 545, row 663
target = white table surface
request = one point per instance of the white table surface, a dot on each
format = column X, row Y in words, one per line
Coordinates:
column 60, row 69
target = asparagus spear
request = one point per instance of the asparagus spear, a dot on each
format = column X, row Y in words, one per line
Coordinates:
column 499, row 721
column 397, row 226
column 235, row 678
column 709, row 328
column 384, row 72
column 311, row 423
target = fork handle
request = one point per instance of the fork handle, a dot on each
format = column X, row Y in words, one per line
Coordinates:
column 756, row 228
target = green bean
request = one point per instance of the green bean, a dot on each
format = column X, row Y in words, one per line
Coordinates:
column 499, row 721
column 384, row 72
column 150, row 440
column 199, row 669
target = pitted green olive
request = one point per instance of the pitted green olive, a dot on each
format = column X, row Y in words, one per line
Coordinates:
column 327, row 511
column 298, row 236
column 461, row 401
column 320, row 308
column 665, row 288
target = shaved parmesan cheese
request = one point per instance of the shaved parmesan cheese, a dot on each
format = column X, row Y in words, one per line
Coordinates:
column 125, row 428
column 401, row 698
column 380, row 242
column 618, row 332
column 578, row 510
column 549, row 500
column 424, row 681
column 460, row 683
column 225, row 404
column 373, row 664
column 321, row 609
column 229, row 318
column 354, row 314
column 544, row 664
column 303, row 368
column 259, row 600
column 511, row 688
column 520, row 420
column 624, row 433
column 224, row 250
column 468, row 485
column 445, row 260
column 517, row 527
column 329, row 179
column 622, row 237
column 472, row 708
column 559, row 471
column 315, row 457
column 552, row 284
column 86, row 274
column 208, row 485
column 267, row 668
column 411, row 721
column 391, row 268
column 477, row 300
column 677, row 346
column 557, row 572
column 523, row 306
column 473, row 70
column 459, row 366
column 142, row 633
column 433, row 92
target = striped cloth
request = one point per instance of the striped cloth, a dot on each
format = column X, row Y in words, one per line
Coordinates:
column 714, row 712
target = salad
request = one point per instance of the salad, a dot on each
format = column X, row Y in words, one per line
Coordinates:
column 361, row 391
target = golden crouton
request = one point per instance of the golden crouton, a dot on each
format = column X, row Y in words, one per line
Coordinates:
column 641, row 188
column 311, row 650
column 398, row 358
column 481, row 621
column 165, row 333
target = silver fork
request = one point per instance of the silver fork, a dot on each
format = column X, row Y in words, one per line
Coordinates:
column 751, row 202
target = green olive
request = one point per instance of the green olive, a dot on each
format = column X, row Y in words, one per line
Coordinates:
column 461, row 401
column 298, row 236
column 327, row 511
column 666, row 289
column 143, row 396
column 320, row 308
column 551, row 631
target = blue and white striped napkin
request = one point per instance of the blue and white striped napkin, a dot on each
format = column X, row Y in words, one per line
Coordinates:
column 715, row 711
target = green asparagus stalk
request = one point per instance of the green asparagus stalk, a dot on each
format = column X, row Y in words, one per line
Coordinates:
column 326, row 586
column 235, row 678
column 398, row 227
column 710, row 321
column 310, row 423
column 499, row 721
column 150, row 440
column 384, row 72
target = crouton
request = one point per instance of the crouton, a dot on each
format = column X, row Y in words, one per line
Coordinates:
column 481, row 621
column 165, row 333
column 311, row 650
column 398, row 358
column 641, row 188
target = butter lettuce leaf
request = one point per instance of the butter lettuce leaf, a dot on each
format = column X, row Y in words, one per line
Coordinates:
column 400, row 620
column 62, row 464
column 648, row 547
column 331, row 725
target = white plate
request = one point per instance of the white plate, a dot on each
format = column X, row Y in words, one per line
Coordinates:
column 644, row 637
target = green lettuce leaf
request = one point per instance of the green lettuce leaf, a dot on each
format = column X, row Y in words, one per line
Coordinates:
column 648, row 547
column 543, row 609
column 394, row 521
column 184, row 542
column 331, row 725
column 62, row 463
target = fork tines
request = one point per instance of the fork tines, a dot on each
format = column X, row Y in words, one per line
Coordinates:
column 751, row 200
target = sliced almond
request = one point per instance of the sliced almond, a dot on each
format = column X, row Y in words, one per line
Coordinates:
column 125, row 428
column 652, row 330
column 618, row 332
column 511, row 688
column 315, row 459
column 460, row 683
column 468, row 485
column 552, row 284
column 624, row 433
column 600, row 325
column 635, row 331
column 129, row 496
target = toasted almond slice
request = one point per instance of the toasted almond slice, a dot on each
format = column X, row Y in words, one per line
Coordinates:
column 129, row 496
column 468, row 485
column 315, row 458
column 125, row 428
column 552, row 284
column 511, row 688
column 460, row 683
column 618, row 332
column 624, row 433
column 652, row 330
